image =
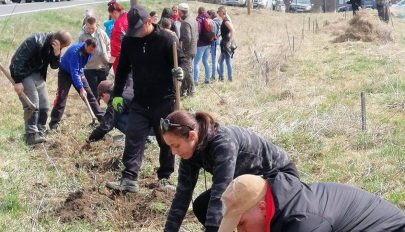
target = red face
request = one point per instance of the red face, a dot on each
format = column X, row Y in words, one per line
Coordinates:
column 89, row 49
column 254, row 219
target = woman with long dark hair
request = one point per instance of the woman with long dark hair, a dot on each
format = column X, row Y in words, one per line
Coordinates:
column 224, row 151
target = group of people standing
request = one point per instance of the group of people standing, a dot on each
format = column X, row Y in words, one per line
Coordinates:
column 255, row 184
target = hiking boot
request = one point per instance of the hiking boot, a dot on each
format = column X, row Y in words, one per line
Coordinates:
column 213, row 78
column 206, row 82
column 34, row 138
column 165, row 185
column 124, row 184
column 54, row 127
column 221, row 78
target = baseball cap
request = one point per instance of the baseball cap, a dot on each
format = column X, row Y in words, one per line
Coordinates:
column 184, row 7
column 104, row 87
column 137, row 16
column 242, row 194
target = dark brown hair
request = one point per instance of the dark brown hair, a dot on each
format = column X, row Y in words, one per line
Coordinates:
column 91, row 20
column 91, row 42
column 113, row 5
column 201, row 10
column 201, row 122
column 212, row 14
column 166, row 23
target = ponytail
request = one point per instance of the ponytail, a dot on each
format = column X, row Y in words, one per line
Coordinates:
column 202, row 122
column 207, row 127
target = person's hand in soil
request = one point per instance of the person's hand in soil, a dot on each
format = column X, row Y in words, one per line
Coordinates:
column 86, row 146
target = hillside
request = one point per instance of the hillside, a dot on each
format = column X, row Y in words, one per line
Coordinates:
column 292, row 84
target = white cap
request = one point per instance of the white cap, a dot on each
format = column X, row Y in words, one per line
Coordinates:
column 184, row 7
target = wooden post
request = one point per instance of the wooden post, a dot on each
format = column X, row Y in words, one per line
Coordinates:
column 317, row 27
column 293, row 43
column 249, row 6
column 288, row 36
column 175, row 81
column 363, row 112
column 309, row 24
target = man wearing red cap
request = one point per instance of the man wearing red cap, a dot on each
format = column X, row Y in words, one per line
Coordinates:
column 283, row 203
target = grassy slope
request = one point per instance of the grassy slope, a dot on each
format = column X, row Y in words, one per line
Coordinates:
column 311, row 108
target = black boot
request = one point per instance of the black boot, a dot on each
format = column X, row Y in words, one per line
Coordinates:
column 34, row 138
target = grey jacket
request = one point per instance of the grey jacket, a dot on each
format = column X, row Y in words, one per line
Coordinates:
column 232, row 152
column 103, row 51
column 188, row 36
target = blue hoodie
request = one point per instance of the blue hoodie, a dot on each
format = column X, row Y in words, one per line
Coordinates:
column 73, row 62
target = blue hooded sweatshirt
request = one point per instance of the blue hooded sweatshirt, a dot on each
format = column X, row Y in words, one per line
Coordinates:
column 73, row 62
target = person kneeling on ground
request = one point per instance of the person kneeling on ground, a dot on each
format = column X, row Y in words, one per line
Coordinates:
column 111, row 118
column 284, row 203
column 225, row 152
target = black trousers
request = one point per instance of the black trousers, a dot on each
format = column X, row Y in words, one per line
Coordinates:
column 94, row 77
column 59, row 104
column 140, row 120
column 200, row 206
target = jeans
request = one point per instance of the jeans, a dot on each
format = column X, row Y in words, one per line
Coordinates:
column 140, row 120
column 227, row 58
column 214, row 60
column 35, row 89
column 202, row 52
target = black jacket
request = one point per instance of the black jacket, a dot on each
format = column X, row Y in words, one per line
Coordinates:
column 151, row 60
column 34, row 55
column 232, row 152
column 330, row 207
column 110, row 118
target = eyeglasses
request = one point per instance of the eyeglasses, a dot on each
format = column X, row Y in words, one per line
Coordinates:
column 165, row 125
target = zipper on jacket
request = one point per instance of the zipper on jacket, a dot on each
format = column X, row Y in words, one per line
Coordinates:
column 144, row 48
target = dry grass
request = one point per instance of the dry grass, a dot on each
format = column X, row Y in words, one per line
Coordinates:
column 306, row 100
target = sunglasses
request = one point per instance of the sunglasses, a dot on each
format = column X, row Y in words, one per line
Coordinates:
column 165, row 125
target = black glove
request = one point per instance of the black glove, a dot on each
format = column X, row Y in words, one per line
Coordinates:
column 211, row 229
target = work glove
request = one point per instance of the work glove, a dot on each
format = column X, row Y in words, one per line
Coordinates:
column 178, row 73
column 118, row 103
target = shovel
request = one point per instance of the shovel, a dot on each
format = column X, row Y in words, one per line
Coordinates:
column 31, row 106
column 93, row 116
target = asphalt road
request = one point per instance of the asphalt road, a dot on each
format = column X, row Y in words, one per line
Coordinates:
column 24, row 8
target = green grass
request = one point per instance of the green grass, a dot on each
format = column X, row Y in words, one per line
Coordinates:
column 311, row 109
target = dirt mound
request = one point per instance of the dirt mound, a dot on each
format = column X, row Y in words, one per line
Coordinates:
column 100, row 165
column 77, row 206
column 363, row 27
column 126, row 211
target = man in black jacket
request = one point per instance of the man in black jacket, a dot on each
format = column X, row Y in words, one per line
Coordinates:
column 111, row 118
column 147, row 50
column 283, row 203
column 28, row 68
